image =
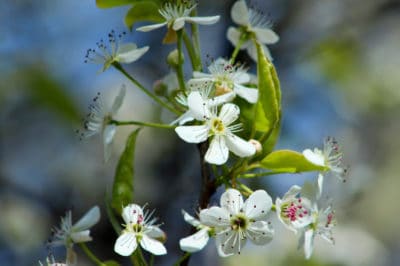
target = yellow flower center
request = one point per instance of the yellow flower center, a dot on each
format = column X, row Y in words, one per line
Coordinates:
column 217, row 126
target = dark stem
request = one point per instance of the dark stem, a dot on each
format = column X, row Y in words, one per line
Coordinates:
column 208, row 187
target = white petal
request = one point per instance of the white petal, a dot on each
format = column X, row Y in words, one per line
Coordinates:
column 216, row 101
column 195, row 242
column 108, row 135
column 81, row 236
column 229, row 113
column 232, row 200
column 233, row 35
column 249, row 94
column 198, row 106
column 252, row 51
column 151, row 27
column 257, row 205
column 239, row 146
column 203, row 20
column 292, row 192
column 198, row 84
column 128, row 54
column 200, row 75
column 308, row 242
column 186, row 117
column 314, row 157
column 217, row 152
column 125, row 244
column 190, row 219
column 241, row 77
column 132, row 213
column 240, row 13
column 193, row 134
column 152, row 246
column 215, row 216
column 155, row 232
column 88, row 220
column 260, row 233
column 265, row 35
column 118, row 100
column 230, row 242
column 179, row 23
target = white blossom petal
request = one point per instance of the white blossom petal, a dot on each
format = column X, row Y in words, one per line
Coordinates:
column 314, row 157
column 229, row 113
column 132, row 213
column 152, row 245
column 198, row 106
column 128, row 54
column 307, row 241
column 260, row 233
column 292, row 192
column 215, row 216
column 232, row 200
column 154, row 232
column 195, row 242
column 88, row 220
column 190, row 219
column 230, row 242
column 240, row 13
column 216, row 101
column 217, row 152
column 126, row 244
column 108, row 135
column 179, row 23
column 197, row 75
column 203, row 20
column 249, row 94
column 118, row 100
column 252, row 51
column 193, row 134
column 239, row 146
column 151, row 27
column 265, row 35
column 233, row 35
column 241, row 77
column 81, row 236
column 257, row 205
column 184, row 118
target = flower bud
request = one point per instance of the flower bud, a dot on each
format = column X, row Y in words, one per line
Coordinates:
column 256, row 145
column 173, row 59
column 160, row 88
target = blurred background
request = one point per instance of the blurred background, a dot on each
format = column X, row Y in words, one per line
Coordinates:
column 338, row 61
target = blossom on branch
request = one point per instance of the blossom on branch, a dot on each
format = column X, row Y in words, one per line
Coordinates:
column 198, row 240
column 252, row 26
column 139, row 229
column 216, row 126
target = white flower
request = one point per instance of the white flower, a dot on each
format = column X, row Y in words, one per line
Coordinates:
column 50, row 261
column 116, row 53
column 198, row 240
column 175, row 17
column 68, row 234
column 331, row 158
column 322, row 224
column 252, row 25
column 99, row 118
column 139, row 228
column 227, row 79
column 219, row 127
column 237, row 221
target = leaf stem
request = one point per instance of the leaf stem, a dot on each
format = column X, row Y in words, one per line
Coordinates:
column 182, row 259
column 252, row 175
column 143, row 89
column 242, row 39
column 196, row 65
column 196, row 41
column 179, row 68
column 90, row 254
column 138, row 123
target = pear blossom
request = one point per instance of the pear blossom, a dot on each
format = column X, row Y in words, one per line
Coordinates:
column 198, row 240
column 175, row 17
column 99, row 118
column 68, row 234
column 218, row 127
column 50, row 261
column 322, row 224
column 331, row 158
column 252, row 24
column 238, row 221
column 116, row 53
column 139, row 229
column 227, row 79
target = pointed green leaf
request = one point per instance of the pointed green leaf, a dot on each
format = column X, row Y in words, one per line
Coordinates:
column 122, row 192
column 143, row 11
column 112, row 3
column 289, row 161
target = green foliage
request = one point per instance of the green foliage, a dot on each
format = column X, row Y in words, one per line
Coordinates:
column 122, row 192
column 289, row 161
column 143, row 11
column 113, row 3
column 110, row 263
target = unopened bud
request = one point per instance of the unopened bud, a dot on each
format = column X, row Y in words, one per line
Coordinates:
column 160, row 88
column 173, row 58
column 256, row 145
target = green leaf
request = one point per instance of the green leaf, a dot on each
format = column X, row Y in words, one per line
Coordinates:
column 122, row 192
column 143, row 11
column 289, row 161
column 113, row 3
